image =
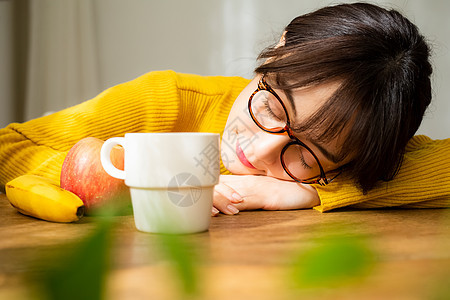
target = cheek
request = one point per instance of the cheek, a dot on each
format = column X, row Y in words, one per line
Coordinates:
column 237, row 128
column 240, row 128
column 239, row 123
column 229, row 136
column 227, row 155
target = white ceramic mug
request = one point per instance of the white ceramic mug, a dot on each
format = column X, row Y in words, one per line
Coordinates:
column 171, row 177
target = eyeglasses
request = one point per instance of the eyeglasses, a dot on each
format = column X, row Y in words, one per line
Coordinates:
column 268, row 111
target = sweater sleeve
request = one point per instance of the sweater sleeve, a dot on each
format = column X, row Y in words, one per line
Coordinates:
column 422, row 182
column 39, row 146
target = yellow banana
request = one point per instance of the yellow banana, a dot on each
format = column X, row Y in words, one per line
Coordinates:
column 39, row 197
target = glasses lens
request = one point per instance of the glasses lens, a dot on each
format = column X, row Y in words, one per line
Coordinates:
column 267, row 111
column 301, row 163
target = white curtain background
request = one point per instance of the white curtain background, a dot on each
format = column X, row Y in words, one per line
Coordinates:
column 7, row 111
column 73, row 49
column 62, row 59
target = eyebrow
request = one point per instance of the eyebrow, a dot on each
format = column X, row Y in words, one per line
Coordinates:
column 290, row 98
column 330, row 156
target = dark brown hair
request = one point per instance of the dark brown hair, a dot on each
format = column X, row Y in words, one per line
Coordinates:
column 382, row 63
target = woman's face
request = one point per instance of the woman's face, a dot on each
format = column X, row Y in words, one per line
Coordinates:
column 248, row 150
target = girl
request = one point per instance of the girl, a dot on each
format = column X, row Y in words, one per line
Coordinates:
column 327, row 122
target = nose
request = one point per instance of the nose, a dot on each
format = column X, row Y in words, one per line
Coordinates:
column 268, row 146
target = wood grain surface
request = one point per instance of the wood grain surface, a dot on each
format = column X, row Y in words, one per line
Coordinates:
column 246, row 256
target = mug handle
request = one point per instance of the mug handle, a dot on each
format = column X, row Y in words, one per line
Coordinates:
column 105, row 157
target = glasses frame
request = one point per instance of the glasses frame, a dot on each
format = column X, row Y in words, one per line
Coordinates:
column 264, row 86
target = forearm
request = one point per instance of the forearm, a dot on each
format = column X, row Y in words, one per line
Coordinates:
column 421, row 182
column 20, row 155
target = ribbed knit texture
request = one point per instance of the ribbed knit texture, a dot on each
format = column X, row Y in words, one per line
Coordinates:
column 170, row 102
column 155, row 102
column 422, row 182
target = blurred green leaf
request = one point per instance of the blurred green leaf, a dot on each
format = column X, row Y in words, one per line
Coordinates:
column 182, row 256
column 80, row 274
column 441, row 288
column 333, row 260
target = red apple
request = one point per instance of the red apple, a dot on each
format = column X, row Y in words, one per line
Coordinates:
column 83, row 174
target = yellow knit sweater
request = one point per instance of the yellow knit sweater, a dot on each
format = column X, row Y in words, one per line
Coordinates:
column 167, row 101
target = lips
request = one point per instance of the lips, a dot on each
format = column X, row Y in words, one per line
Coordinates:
column 243, row 159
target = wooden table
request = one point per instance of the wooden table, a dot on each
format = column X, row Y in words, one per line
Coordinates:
column 247, row 256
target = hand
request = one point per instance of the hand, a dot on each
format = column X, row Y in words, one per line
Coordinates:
column 250, row 192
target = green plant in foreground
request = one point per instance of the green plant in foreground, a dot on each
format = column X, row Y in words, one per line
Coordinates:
column 184, row 261
column 80, row 270
column 332, row 261
column 81, row 273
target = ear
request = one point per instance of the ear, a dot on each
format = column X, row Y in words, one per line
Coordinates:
column 282, row 41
